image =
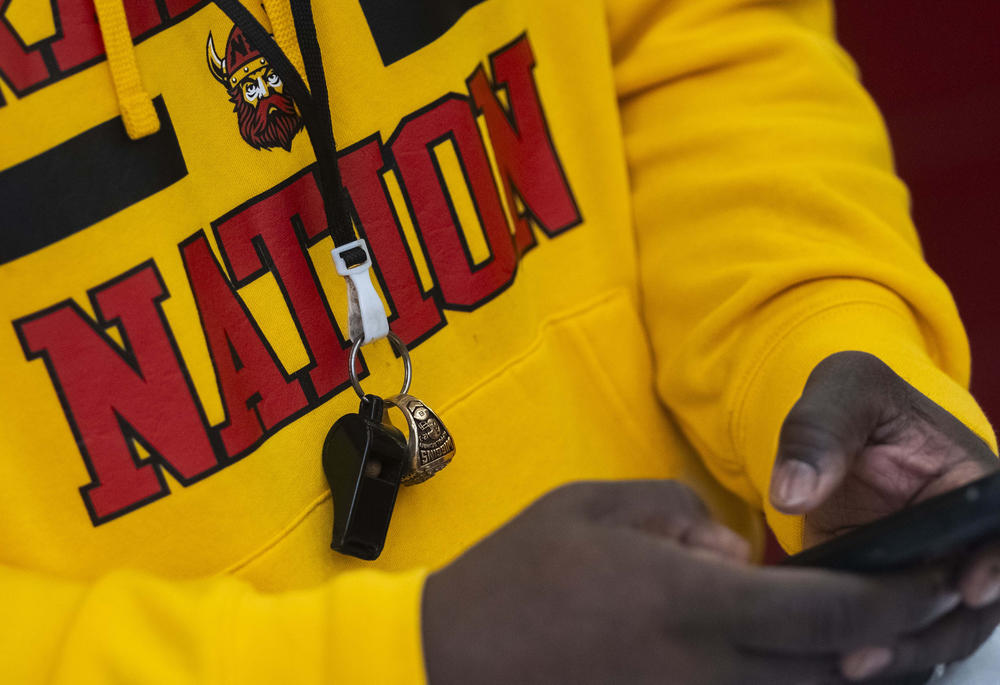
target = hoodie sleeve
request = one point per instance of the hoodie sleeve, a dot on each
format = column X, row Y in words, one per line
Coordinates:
column 361, row 627
column 772, row 230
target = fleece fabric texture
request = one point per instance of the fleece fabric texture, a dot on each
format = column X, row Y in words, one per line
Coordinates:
column 617, row 236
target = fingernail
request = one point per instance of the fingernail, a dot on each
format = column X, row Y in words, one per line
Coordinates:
column 796, row 483
column 988, row 590
column 945, row 604
column 987, row 594
column 991, row 594
column 866, row 662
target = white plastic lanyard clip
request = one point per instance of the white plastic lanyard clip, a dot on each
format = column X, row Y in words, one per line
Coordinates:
column 366, row 318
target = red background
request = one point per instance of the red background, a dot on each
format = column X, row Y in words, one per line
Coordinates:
column 933, row 66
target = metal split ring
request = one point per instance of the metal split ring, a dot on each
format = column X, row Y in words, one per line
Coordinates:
column 397, row 345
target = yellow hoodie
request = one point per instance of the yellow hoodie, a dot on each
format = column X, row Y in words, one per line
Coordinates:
column 616, row 236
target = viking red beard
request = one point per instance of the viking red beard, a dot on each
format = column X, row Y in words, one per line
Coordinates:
column 272, row 123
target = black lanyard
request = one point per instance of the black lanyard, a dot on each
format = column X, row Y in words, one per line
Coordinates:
column 313, row 105
column 365, row 459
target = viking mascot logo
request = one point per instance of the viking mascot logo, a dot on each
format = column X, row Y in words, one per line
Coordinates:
column 266, row 116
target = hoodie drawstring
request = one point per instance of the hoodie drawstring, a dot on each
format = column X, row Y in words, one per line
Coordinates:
column 134, row 102
column 279, row 13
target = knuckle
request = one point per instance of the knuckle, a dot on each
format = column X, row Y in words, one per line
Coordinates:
column 852, row 363
column 809, row 433
column 852, row 374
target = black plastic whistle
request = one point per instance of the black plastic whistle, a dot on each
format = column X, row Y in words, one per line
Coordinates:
column 363, row 460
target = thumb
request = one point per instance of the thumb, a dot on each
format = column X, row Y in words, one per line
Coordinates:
column 840, row 406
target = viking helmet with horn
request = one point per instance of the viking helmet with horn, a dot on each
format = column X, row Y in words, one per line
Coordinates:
column 240, row 60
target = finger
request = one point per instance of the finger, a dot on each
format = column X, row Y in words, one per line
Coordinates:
column 973, row 449
column 661, row 508
column 979, row 581
column 866, row 662
column 716, row 538
column 665, row 507
column 816, row 448
column 952, row 638
column 823, row 432
column 955, row 475
column 809, row 610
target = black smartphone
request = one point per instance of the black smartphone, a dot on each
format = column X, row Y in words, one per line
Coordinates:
column 942, row 527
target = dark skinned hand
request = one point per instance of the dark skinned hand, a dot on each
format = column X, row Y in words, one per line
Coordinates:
column 632, row 582
column 862, row 443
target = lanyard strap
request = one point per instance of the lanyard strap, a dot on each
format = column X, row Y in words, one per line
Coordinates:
column 313, row 104
column 366, row 318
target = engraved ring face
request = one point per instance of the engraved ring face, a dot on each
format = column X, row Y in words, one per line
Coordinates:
column 430, row 445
